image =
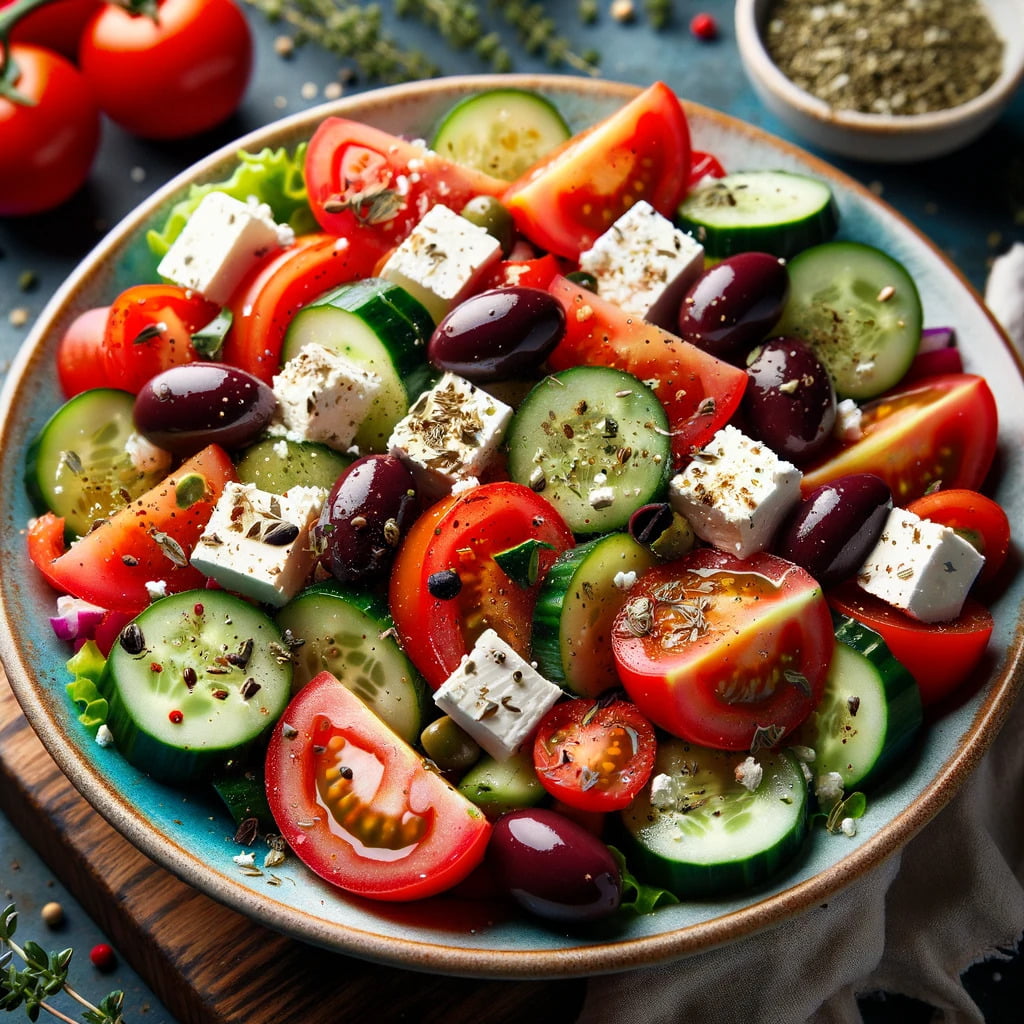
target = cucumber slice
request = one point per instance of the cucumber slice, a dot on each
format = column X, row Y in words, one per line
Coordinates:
column 349, row 634
column 276, row 464
column 497, row 787
column 193, row 682
column 79, row 466
column 709, row 835
column 780, row 212
column 245, row 796
column 859, row 310
column 595, row 441
column 577, row 603
column 502, row 132
column 380, row 327
column 869, row 712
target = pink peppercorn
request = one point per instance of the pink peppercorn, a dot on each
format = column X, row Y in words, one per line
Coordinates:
column 704, row 26
column 103, row 957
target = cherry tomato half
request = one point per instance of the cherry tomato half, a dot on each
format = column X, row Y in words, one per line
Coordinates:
column 975, row 517
column 81, row 356
column 594, row 755
column 713, row 648
column 173, row 76
column 47, row 145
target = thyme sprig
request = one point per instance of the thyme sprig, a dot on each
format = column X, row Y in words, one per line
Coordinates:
column 44, row 976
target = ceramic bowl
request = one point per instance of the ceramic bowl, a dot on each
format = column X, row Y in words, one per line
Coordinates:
column 880, row 137
column 190, row 834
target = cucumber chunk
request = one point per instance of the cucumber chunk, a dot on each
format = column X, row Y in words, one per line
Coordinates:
column 780, row 212
column 79, row 466
column 502, row 132
column 709, row 835
column 193, row 682
column 276, row 464
column 869, row 712
column 595, row 441
column 859, row 310
column 349, row 635
column 380, row 327
column 572, row 620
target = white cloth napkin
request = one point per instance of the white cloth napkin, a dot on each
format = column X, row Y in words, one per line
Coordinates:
column 953, row 896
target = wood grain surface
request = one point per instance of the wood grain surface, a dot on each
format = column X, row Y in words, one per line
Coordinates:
column 207, row 963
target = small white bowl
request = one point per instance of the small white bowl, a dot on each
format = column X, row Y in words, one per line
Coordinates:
column 881, row 137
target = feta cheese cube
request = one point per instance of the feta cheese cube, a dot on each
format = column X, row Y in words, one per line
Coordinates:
column 923, row 568
column 496, row 696
column 439, row 262
column 736, row 492
column 644, row 264
column 257, row 543
column 222, row 240
column 450, row 433
column 322, row 396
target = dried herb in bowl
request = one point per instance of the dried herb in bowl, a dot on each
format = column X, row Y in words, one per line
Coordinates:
column 886, row 56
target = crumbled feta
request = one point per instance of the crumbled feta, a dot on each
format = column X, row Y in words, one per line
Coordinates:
column 156, row 589
column 736, row 492
column 104, row 737
column 496, row 696
column 665, row 791
column 220, row 243
column 848, row 422
column 923, row 568
column 848, row 827
column 322, row 396
column 802, row 753
column 644, row 264
column 828, row 788
column 441, row 260
column 257, row 543
column 450, row 433
column 749, row 773
column 624, row 580
column 147, row 457
column 245, row 860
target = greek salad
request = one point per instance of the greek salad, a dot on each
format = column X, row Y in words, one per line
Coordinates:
column 567, row 518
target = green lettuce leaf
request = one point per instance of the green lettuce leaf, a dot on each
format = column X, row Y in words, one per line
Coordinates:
column 637, row 896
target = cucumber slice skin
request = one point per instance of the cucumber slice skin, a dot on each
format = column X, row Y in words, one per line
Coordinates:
column 781, row 212
column 869, row 713
column 179, row 732
column 577, row 603
column 581, row 424
column 859, row 310
column 502, row 132
column 277, row 464
column 380, row 327
column 348, row 633
column 698, row 853
column 94, row 425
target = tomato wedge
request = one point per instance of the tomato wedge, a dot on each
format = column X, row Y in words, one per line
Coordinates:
column 975, row 517
column 458, row 538
column 719, row 650
column 699, row 392
column 575, row 193
column 364, row 180
column 940, row 431
column 358, row 805
column 275, row 289
column 940, row 655
column 594, row 755
column 148, row 540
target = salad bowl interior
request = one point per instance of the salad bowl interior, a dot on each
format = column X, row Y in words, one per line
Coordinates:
column 189, row 833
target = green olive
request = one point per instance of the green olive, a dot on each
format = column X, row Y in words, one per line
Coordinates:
column 584, row 279
column 488, row 213
column 450, row 747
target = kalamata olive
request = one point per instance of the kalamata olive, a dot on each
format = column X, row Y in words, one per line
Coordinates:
column 365, row 516
column 498, row 334
column 661, row 529
column 835, row 526
column 553, row 867
column 734, row 304
column 790, row 402
column 188, row 407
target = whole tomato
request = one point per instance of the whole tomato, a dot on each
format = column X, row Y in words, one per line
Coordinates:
column 57, row 26
column 171, row 76
column 47, row 145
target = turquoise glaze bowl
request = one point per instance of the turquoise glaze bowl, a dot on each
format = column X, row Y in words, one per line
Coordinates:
column 190, row 835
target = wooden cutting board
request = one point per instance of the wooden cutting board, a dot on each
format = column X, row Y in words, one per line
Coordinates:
column 208, row 964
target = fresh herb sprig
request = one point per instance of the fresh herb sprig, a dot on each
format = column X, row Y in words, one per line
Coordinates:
column 44, row 976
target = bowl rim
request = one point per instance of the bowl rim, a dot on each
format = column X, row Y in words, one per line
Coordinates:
column 750, row 40
column 439, row 957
